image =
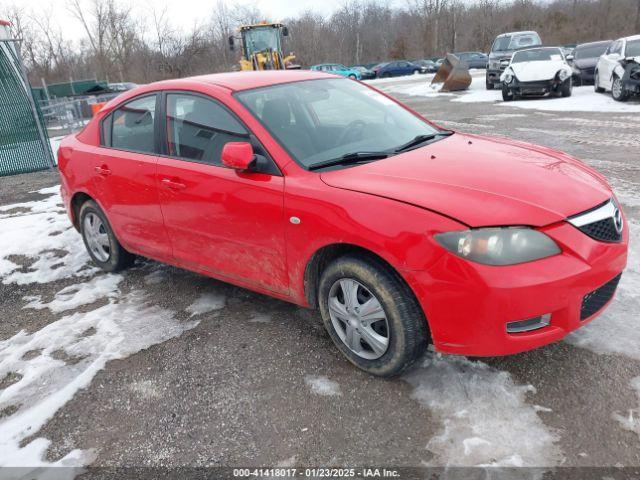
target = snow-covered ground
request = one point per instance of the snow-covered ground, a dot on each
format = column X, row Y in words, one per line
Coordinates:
column 46, row 368
column 583, row 99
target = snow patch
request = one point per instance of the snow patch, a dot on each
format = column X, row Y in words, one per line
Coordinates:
column 74, row 296
column 207, row 302
column 40, row 234
column 321, row 385
column 617, row 329
column 73, row 350
column 631, row 421
column 486, row 420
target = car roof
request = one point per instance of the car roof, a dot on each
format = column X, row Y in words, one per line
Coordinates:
column 593, row 44
column 246, row 80
column 631, row 38
column 517, row 33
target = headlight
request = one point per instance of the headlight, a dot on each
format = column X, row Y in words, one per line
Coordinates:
column 504, row 63
column 563, row 75
column 499, row 246
column 508, row 78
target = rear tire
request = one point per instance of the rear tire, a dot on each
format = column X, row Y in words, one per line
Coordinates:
column 403, row 326
column 100, row 241
column 617, row 90
column 596, row 83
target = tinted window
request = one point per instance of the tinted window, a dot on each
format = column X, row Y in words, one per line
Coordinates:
column 537, row 55
column 133, row 126
column 590, row 51
column 198, row 128
column 633, row 48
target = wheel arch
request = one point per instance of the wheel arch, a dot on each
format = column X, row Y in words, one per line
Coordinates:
column 77, row 200
column 328, row 253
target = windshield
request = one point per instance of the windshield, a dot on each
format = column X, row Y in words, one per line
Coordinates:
column 261, row 38
column 537, row 55
column 633, row 48
column 318, row 120
column 591, row 51
column 514, row 42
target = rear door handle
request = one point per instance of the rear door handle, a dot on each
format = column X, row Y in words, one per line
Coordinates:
column 173, row 185
column 103, row 170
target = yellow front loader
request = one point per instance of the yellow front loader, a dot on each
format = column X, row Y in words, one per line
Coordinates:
column 261, row 47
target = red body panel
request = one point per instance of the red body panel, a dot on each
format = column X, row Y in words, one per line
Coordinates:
column 238, row 226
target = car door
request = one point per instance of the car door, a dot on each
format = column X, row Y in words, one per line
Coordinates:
column 125, row 169
column 610, row 60
column 219, row 220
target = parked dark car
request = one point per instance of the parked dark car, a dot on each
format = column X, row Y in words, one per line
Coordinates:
column 474, row 59
column 502, row 50
column 429, row 66
column 365, row 73
column 585, row 58
column 396, row 69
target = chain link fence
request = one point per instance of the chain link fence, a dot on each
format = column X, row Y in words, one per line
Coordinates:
column 24, row 143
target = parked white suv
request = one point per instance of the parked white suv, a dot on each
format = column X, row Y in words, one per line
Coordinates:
column 616, row 68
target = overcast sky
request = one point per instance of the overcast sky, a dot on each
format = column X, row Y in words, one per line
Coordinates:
column 185, row 12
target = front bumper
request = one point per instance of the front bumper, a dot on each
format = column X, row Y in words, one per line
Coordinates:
column 584, row 76
column 533, row 88
column 468, row 305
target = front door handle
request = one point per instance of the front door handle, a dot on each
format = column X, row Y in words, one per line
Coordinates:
column 103, row 170
column 173, row 185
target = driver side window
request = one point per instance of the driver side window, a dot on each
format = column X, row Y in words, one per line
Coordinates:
column 198, row 128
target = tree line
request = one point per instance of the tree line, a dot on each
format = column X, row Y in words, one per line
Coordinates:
column 119, row 43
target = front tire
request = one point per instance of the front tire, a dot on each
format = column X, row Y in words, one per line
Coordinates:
column 371, row 315
column 488, row 83
column 566, row 88
column 100, row 241
column 352, row 76
column 507, row 95
column 617, row 90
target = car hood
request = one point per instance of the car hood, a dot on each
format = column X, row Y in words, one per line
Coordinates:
column 536, row 71
column 481, row 181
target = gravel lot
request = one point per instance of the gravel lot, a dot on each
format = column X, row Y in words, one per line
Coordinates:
column 234, row 378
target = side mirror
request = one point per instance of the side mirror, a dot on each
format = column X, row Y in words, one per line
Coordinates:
column 569, row 58
column 238, row 155
column 285, row 32
column 232, row 45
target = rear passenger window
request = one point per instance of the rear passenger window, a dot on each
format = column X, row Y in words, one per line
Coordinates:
column 132, row 126
column 198, row 128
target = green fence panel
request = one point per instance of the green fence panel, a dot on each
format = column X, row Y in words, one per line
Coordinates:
column 24, row 144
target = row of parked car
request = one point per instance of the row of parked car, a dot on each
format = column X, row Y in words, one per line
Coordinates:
column 398, row 68
column 521, row 66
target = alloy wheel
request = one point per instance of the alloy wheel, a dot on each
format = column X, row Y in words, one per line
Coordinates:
column 96, row 236
column 358, row 319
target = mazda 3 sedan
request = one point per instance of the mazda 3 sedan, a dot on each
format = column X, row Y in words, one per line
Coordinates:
column 327, row 193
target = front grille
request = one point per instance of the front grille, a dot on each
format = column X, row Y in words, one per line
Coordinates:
column 603, row 230
column 603, row 223
column 594, row 301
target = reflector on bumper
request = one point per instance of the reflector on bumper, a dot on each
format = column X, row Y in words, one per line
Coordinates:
column 529, row 324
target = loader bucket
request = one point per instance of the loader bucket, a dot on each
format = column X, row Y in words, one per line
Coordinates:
column 452, row 74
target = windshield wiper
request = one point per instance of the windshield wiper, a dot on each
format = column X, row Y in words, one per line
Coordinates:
column 349, row 159
column 421, row 139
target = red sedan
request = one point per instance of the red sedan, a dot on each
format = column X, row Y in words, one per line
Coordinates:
column 325, row 192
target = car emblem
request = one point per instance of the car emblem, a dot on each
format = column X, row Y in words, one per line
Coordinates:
column 617, row 220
